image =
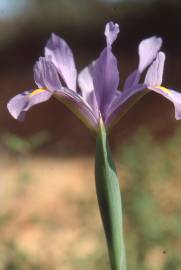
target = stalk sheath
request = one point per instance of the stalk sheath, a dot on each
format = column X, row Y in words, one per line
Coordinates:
column 109, row 199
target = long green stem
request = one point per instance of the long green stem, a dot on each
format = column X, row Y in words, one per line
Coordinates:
column 109, row 199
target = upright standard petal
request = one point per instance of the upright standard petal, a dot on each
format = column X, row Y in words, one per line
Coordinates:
column 105, row 71
column 105, row 79
column 85, row 82
column 45, row 75
column 111, row 32
column 133, row 89
column 153, row 80
column 62, row 57
column 131, row 80
column 155, row 72
column 147, row 50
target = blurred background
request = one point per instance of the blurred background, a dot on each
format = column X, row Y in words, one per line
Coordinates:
column 49, row 217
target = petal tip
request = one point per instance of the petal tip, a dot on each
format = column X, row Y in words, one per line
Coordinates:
column 16, row 114
column 111, row 32
column 148, row 50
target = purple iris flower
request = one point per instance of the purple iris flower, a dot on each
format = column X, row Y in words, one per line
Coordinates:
column 93, row 93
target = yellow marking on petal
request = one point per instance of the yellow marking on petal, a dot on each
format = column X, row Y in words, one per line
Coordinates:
column 37, row 91
column 164, row 89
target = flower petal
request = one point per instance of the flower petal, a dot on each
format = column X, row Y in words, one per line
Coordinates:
column 105, row 79
column 111, row 32
column 122, row 102
column 153, row 81
column 148, row 49
column 62, row 57
column 131, row 80
column 155, row 72
column 85, row 82
column 21, row 103
column 132, row 90
column 79, row 107
column 173, row 96
column 45, row 75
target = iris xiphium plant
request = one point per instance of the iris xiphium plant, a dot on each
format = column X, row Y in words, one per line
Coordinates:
column 93, row 95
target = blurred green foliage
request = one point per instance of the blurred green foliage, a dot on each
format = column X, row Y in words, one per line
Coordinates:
column 12, row 258
column 20, row 145
column 152, row 221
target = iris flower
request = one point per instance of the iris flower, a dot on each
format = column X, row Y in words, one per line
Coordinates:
column 94, row 93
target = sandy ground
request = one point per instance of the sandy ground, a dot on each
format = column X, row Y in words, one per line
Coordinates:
column 45, row 205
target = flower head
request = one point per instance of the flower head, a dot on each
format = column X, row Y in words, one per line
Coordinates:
column 94, row 93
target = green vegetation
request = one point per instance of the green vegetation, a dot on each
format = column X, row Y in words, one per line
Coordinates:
column 152, row 204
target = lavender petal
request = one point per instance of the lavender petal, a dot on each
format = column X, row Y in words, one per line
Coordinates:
column 153, row 80
column 155, row 72
column 105, row 79
column 62, row 57
column 122, row 102
column 111, row 32
column 85, row 82
column 147, row 50
column 79, row 107
column 45, row 75
column 21, row 103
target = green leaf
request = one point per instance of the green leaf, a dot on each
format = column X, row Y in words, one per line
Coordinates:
column 109, row 199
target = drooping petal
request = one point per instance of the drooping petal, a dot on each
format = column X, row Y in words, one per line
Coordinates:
column 79, row 107
column 45, row 75
column 111, row 32
column 147, row 50
column 173, row 96
column 62, row 57
column 21, row 103
column 153, row 80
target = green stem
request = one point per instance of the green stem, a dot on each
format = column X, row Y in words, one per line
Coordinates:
column 109, row 199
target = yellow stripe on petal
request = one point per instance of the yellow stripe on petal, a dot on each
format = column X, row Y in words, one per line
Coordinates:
column 164, row 89
column 37, row 91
